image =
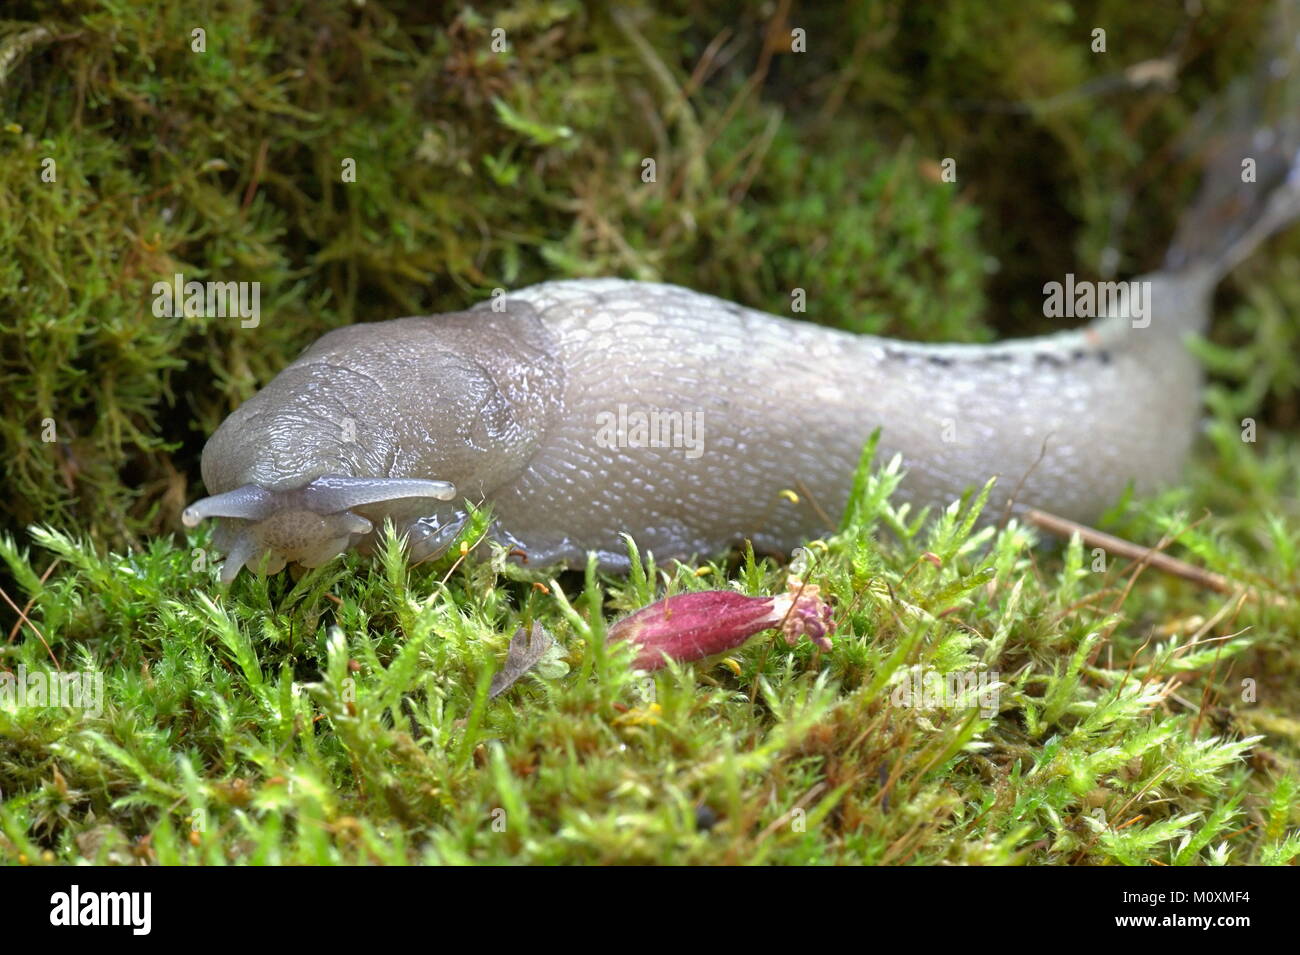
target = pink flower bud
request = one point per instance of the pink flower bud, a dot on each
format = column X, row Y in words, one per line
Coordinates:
column 693, row 626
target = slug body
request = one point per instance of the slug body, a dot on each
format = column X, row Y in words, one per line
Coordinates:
column 583, row 410
column 780, row 406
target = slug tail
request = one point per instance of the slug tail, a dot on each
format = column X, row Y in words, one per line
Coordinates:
column 1251, row 187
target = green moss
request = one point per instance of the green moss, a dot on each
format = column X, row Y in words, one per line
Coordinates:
column 345, row 718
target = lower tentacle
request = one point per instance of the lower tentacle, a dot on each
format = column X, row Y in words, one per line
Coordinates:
column 429, row 537
column 239, row 553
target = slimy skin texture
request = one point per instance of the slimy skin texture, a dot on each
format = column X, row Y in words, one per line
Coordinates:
column 788, row 406
column 510, row 402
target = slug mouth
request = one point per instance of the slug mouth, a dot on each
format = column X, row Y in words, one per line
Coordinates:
column 265, row 529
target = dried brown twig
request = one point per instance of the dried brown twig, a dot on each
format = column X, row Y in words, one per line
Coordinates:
column 1148, row 556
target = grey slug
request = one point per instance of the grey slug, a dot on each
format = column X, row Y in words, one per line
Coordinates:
column 534, row 403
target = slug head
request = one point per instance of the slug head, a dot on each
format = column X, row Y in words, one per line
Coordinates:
column 375, row 421
column 264, row 529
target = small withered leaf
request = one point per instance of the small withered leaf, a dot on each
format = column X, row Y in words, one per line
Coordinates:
column 527, row 647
